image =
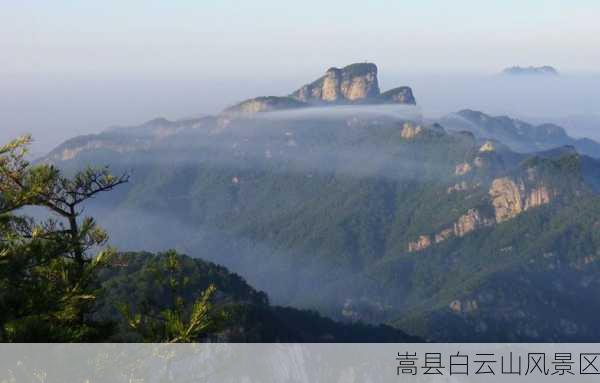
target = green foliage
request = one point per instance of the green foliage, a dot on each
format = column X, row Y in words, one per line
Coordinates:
column 52, row 288
column 179, row 322
column 327, row 222
column 235, row 312
column 47, row 278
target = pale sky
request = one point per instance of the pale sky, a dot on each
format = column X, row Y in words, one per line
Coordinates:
column 157, row 37
column 74, row 67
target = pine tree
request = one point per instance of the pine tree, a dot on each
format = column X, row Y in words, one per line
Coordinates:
column 47, row 274
column 181, row 321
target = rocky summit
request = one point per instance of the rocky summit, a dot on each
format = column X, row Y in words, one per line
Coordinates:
column 352, row 84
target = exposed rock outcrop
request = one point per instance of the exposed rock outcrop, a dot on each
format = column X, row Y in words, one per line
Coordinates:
column 458, row 306
column 263, row 104
column 466, row 223
column 352, row 83
column 538, row 196
column 444, row 235
column 462, row 169
column 510, row 198
column 423, row 242
column 506, row 198
column 469, row 222
column 410, row 131
column 400, row 95
column 488, row 147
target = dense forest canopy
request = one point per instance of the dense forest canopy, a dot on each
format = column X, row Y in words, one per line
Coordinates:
column 58, row 283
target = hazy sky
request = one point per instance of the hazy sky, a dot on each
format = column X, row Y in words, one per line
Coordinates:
column 116, row 36
column 70, row 67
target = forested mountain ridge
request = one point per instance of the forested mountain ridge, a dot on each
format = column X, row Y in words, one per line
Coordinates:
column 135, row 279
column 364, row 212
column 59, row 282
column 519, row 135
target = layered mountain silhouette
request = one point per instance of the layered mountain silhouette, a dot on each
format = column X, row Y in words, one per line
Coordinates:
column 468, row 228
column 519, row 135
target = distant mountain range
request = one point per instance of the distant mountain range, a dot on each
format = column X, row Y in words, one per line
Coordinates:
column 518, row 135
column 467, row 228
column 531, row 70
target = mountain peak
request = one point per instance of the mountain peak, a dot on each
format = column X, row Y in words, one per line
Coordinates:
column 356, row 69
column 545, row 70
column 352, row 84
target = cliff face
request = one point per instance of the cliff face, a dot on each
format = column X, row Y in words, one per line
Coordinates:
column 503, row 188
column 352, row 83
column 469, row 222
column 506, row 198
column 401, row 95
column 510, row 198
column 466, row 223
column 423, row 242
column 410, row 131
